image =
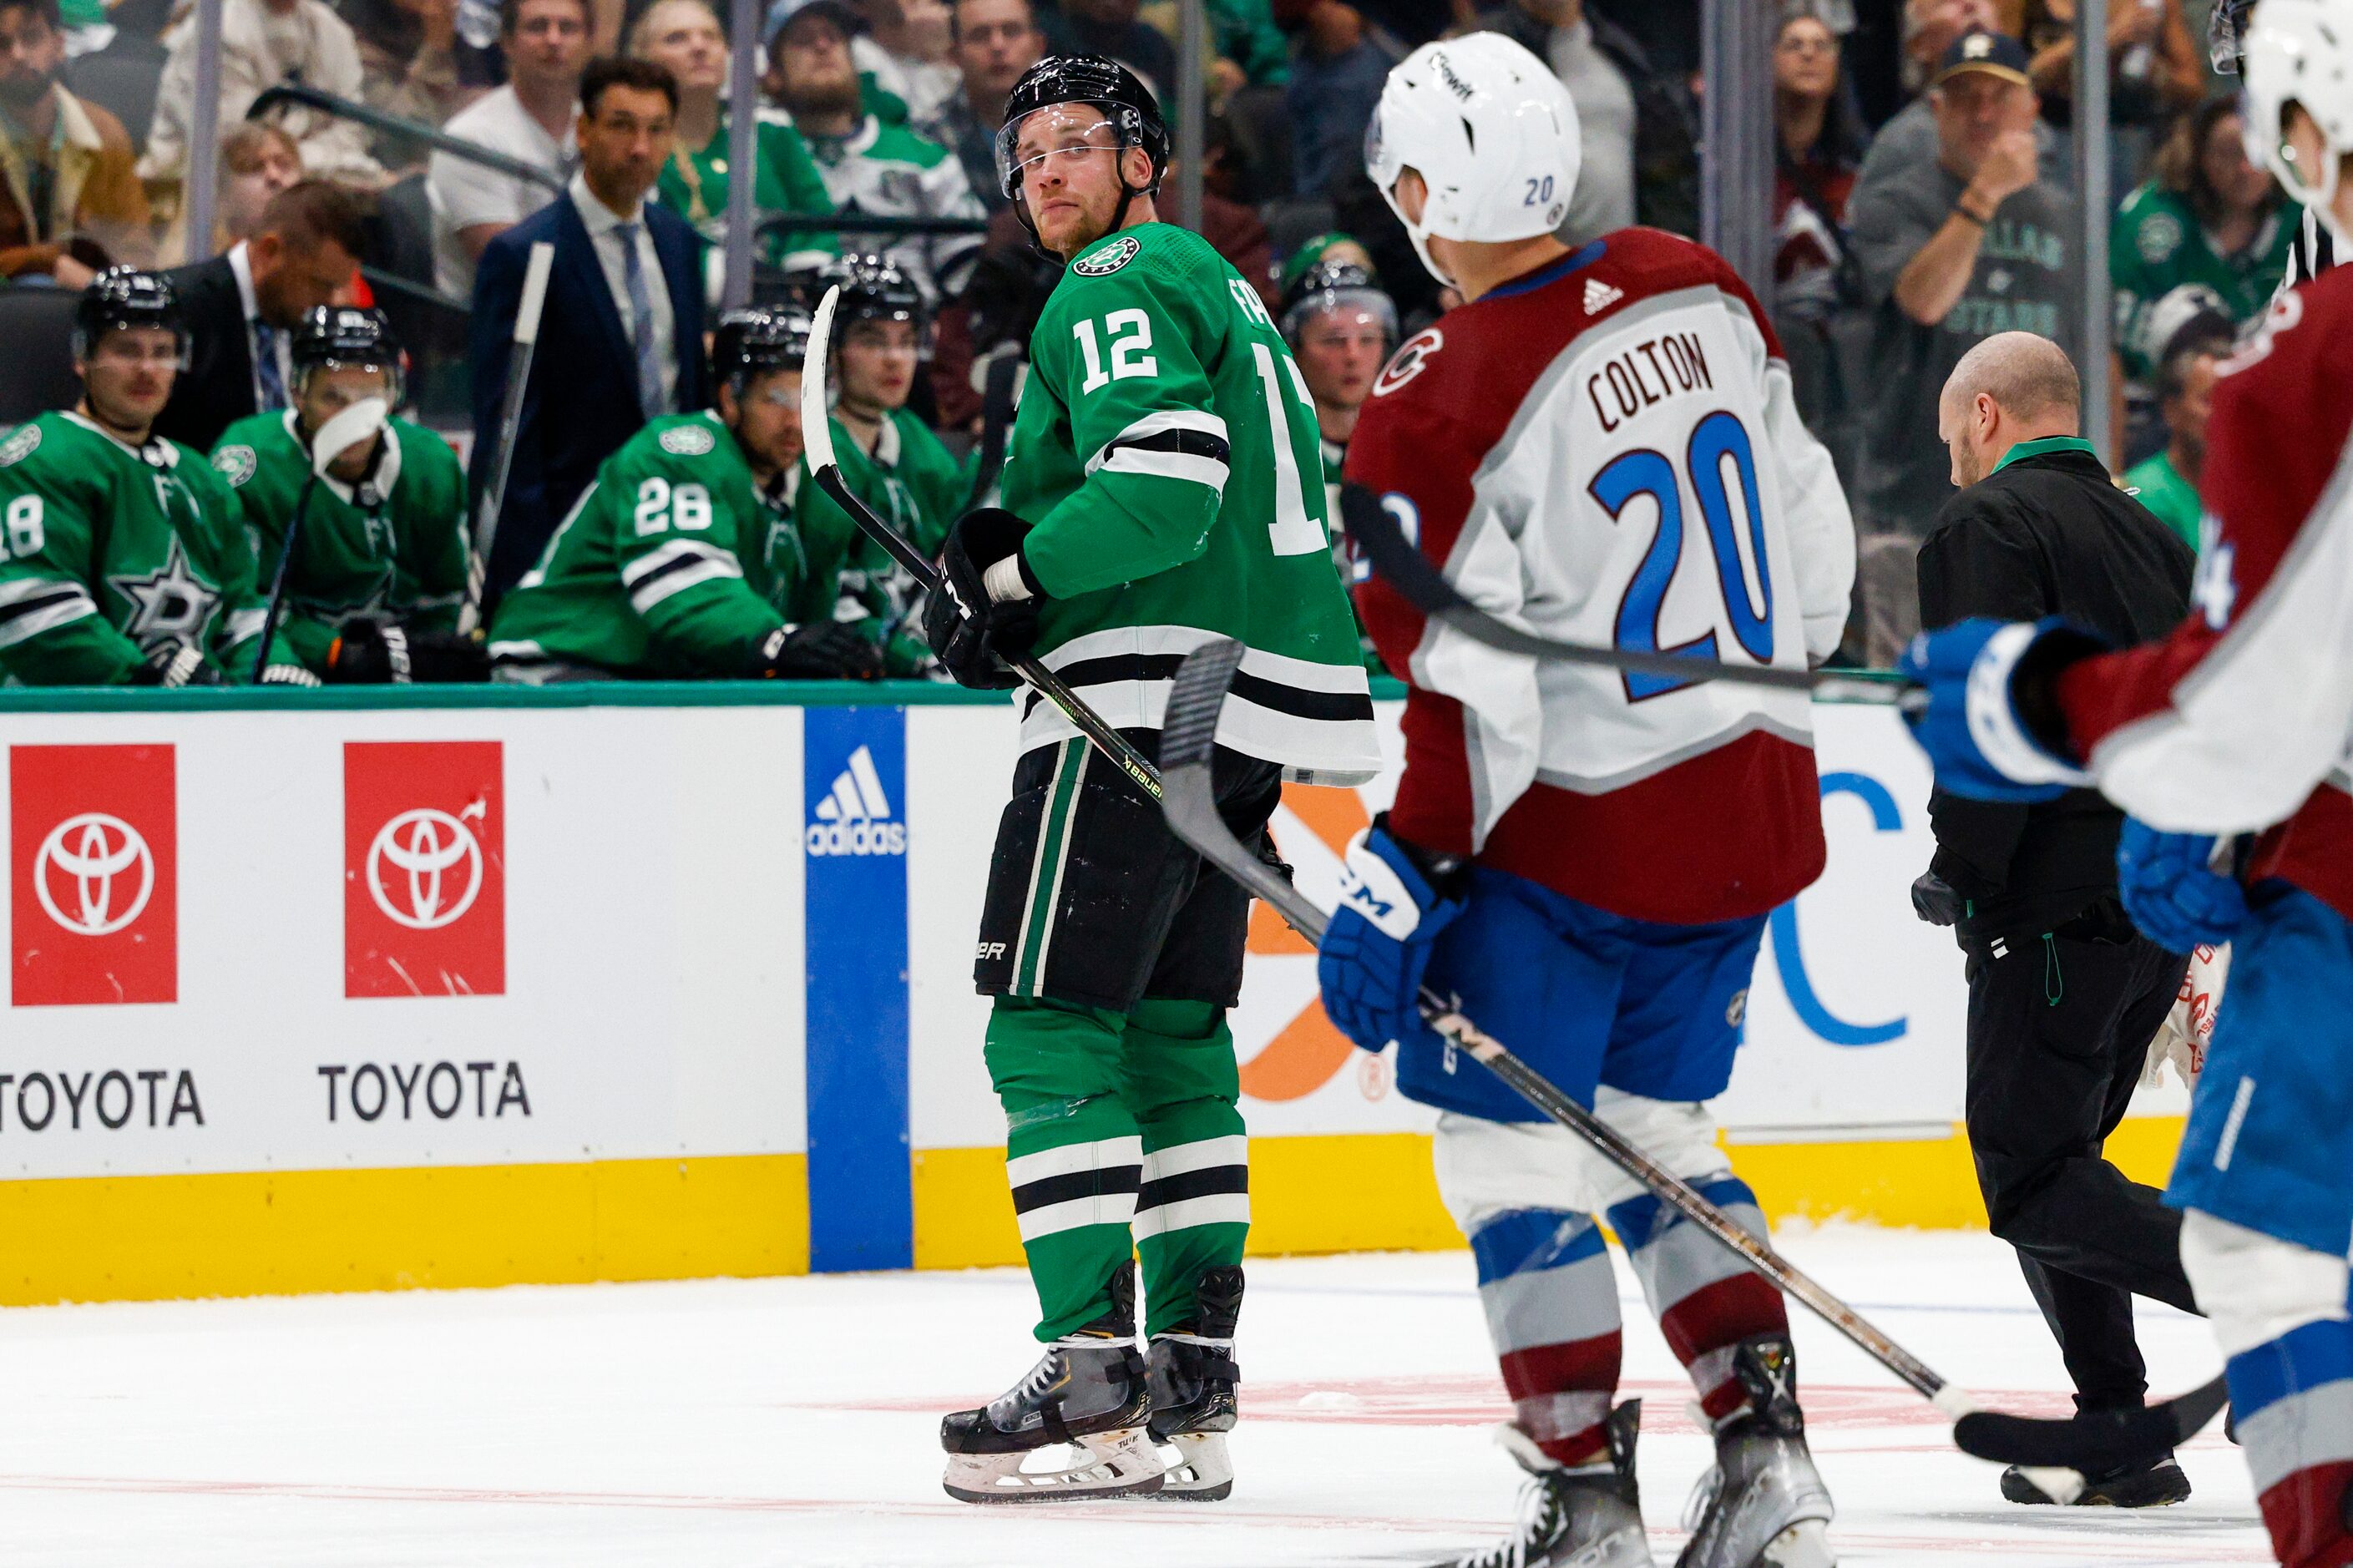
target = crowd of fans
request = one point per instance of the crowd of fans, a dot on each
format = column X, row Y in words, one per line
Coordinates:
column 1923, row 201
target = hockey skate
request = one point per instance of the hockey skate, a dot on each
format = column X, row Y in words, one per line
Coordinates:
column 1762, row 1505
column 1192, row 1377
column 2156, row 1483
column 1087, row 1391
column 1586, row 1517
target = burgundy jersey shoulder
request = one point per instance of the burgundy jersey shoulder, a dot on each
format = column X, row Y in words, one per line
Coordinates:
column 2283, row 412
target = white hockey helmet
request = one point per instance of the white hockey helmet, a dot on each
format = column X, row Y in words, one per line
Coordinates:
column 2301, row 52
column 1492, row 132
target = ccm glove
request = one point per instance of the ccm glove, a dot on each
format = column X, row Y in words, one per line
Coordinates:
column 175, row 664
column 1394, row 901
column 369, row 652
column 2172, row 891
column 987, row 609
column 821, row 650
column 1989, row 726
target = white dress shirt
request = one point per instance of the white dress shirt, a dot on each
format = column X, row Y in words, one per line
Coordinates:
column 241, row 265
column 602, row 221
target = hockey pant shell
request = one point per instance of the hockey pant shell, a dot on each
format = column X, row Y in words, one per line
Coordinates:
column 1527, row 1195
column 1584, row 996
column 2266, row 1174
column 2059, row 1026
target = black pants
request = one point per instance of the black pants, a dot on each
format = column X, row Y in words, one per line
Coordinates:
column 2059, row 1027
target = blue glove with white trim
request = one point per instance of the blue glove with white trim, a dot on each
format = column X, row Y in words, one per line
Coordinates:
column 1988, row 726
column 2172, row 891
column 1394, row 901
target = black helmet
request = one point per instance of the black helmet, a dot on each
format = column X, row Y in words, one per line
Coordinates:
column 872, row 290
column 755, row 340
column 1329, row 285
column 1106, row 84
column 332, row 336
column 126, row 297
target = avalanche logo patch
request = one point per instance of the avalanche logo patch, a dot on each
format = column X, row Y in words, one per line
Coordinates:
column 688, row 440
column 1110, row 258
column 236, row 464
column 20, row 446
column 1409, row 361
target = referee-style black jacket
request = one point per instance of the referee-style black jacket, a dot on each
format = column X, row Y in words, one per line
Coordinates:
column 2046, row 533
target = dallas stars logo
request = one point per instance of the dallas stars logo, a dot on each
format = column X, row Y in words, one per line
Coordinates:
column 169, row 604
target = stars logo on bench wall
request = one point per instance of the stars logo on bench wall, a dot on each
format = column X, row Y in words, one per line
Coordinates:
column 170, row 603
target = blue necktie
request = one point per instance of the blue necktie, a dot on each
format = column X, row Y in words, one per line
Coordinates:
column 641, row 322
column 265, row 367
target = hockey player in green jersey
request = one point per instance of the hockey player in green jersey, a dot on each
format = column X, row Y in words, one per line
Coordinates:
column 379, row 562
column 682, row 560
column 887, row 456
column 1162, row 490
column 123, row 562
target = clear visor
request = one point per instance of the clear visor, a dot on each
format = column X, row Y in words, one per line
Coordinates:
column 348, row 393
column 135, row 345
column 1345, row 308
column 1066, row 134
column 2225, row 41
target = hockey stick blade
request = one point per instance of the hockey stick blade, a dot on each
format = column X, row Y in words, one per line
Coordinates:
column 1420, row 584
column 2101, row 1440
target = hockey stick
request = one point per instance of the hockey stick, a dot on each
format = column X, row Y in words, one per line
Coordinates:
column 346, row 429
column 1404, row 567
column 278, row 576
column 2099, row 1440
column 995, row 423
column 494, row 493
column 817, row 440
column 1188, row 737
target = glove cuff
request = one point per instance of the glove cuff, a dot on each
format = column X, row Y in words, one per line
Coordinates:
column 1010, row 580
column 1996, row 724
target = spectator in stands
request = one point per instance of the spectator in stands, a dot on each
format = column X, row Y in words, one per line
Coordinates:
column 264, row 44
column 70, row 202
column 1906, row 147
column 2168, row 482
column 1111, row 27
column 530, row 119
column 408, row 65
column 1639, row 133
column 1950, row 254
column 256, row 163
column 625, row 298
column 1335, row 85
column 1930, row 27
column 1817, row 151
column 2155, row 71
column 1251, row 49
column 2209, row 226
column 912, row 39
column 242, row 308
column 996, row 41
column 684, row 38
column 871, row 166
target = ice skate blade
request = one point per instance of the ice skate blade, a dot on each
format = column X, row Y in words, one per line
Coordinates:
column 1198, row 1470
column 1805, row 1544
column 1108, row 1465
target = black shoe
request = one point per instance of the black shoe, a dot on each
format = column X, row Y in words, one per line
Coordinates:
column 2156, row 1484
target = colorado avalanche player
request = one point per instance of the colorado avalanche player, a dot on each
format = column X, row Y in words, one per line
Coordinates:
column 2242, row 721
column 1600, row 447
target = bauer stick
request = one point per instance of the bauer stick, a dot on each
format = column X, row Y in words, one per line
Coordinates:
column 816, row 438
column 1188, row 740
column 337, row 436
column 494, row 493
column 1419, row 580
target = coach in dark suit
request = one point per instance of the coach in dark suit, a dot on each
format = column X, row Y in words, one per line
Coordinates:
column 622, row 338
column 242, row 308
column 2065, row 994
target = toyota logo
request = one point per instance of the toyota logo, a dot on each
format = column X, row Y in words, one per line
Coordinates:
column 87, row 853
column 425, row 844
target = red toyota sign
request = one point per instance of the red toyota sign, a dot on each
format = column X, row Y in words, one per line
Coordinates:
column 94, row 848
column 424, row 907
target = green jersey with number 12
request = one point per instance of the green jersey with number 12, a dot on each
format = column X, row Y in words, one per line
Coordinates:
column 1166, row 453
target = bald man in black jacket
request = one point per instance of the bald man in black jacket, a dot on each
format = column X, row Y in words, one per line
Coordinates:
column 2065, row 994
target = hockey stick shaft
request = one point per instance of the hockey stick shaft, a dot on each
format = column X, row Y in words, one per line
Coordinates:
column 278, row 576
column 533, row 304
column 1402, row 565
column 995, row 424
column 816, row 438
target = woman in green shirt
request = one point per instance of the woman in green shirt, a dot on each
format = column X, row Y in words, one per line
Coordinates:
column 685, row 36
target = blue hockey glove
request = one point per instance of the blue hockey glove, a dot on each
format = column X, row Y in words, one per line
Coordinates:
column 1975, row 673
column 1393, row 903
column 2171, row 890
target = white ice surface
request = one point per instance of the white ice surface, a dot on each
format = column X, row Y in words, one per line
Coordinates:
column 793, row 1421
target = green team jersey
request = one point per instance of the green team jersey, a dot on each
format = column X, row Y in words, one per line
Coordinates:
column 674, row 564
column 887, row 170
column 2158, row 245
column 916, row 486
column 2167, row 491
column 392, row 548
column 1165, row 451
column 114, row 554
column 695, row 186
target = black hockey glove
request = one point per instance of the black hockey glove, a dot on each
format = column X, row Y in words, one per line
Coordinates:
column 369, row 652
column 971, row 634
column 175, row 664
column 1934, row 900
column 822, row 651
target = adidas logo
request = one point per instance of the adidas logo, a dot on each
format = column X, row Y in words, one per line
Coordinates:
column 855, row 818
column 1601, row 295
